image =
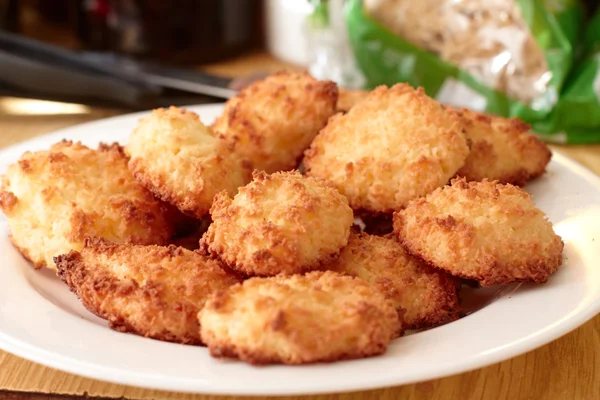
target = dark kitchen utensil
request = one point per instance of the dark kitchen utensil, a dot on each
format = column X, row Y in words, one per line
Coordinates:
column 36, row 67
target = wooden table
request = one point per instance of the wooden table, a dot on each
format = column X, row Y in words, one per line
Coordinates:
column 568, row 368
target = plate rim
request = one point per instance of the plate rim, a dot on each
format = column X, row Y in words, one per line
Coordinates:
column 111, row 374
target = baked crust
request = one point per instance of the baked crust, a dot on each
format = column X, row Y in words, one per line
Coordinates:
column 271, row 122
column 280, row 223
column 424, row 297
column 176, row 157
column 485, row 231
column 502, row 149
column 53, row 199
column 396, row 145
column 318, row 317
column 152, row 291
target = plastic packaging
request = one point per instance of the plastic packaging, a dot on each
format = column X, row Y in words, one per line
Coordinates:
column 506, row 57
column 577, row 115
column 331, row 56
column 491, row 42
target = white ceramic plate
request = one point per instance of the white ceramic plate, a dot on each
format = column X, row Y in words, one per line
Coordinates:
column 42, row 321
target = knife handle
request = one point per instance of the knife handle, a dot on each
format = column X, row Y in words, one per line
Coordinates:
column 37, row 77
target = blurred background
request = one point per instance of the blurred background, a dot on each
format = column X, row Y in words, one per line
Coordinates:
column 138, row 42
column 114, row 56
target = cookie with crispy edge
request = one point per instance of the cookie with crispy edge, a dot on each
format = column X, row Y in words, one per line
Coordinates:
column 424, row 297
column 485, row 231
column 53, row 199
column 280, row 223
column 502, row 149
column 271, row 122
column 395, row 145
column 151, row 291
column 176, row 157
column 319, row 317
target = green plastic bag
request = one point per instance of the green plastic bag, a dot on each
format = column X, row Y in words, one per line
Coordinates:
column 577, row 115
column 477, row 66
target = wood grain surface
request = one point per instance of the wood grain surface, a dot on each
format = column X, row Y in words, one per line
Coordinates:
column 568, row 368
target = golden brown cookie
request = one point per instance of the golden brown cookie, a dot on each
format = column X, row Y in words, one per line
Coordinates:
column 53, row 199
column 279, row 223
column 486, row 231
column 174, row 155
column 396, row 145
column 423, row 297
column 270, row 123
column 502, row 149
column 151, row 291
column 322, row 316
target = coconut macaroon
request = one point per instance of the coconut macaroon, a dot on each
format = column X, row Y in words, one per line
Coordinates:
column 279, row 223
column 152, row 291
column 485, row 231
column 322, row 316
column 395, row 145
column 422, row 296
column 271, row 122
column 348, row 98
column 502, row 149
column 54, row 199
column 177, row 157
